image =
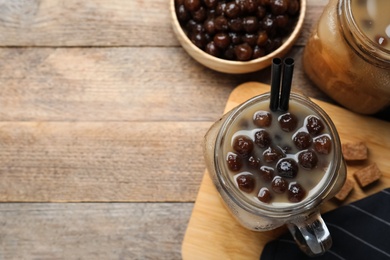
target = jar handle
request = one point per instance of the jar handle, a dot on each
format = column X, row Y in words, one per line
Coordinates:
column 311, row 234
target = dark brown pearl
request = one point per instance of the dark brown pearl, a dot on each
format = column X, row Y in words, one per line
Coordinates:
column 262, row 138
column 262, row 38
column 232, row 9
column 211, row 3
column 293, row 7
column 199, row 15
column 250, row 38
column 288, row 122
column 262, row 118
column 235, row 38
column 209, row 26
column 287, row 168
column 222, row 40
column 258, row 52
column 182, row 14
column 264, row 195
column 279, row 6
column 234, row 162
column 272, row 155
column 250, row 24
column 323, row 144
column 243, row 52
column 295, row 192
column 192, row 5
column 279, row 185
column 308, row 159
column 221, row 23
column 267, row 173
column 245, row 182
column 302, row 140
column 243, row 145
column 212, row 49
column 236, row 24
column 314, row 125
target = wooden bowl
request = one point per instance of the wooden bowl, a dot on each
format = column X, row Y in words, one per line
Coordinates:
column 235, row 67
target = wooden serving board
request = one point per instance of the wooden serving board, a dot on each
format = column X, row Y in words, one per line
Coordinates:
column 212, row 233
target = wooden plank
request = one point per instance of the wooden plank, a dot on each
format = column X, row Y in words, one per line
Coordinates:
column 111, row 84
column 85, row 23
column 98, row 23
column 100, row 161
column 92, row 230
column 213, row 233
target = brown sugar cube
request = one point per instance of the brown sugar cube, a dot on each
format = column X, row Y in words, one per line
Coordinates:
column 367, row 175
column 354, row 151
column 345, row 190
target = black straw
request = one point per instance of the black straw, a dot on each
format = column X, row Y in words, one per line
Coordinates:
column 275, row 83
column 286, row 83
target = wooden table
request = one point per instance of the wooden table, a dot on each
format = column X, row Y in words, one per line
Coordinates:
column 102, row 116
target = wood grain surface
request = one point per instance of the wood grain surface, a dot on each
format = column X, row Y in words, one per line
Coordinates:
column 213, row 233
column 96, row 23
column 92, row 230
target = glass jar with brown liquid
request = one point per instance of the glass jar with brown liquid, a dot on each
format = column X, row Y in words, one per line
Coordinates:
column 348, row 54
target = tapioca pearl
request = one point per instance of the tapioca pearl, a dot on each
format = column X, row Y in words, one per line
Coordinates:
column 302, row 140
column 287, row 168
column 263, row 138
column 243, row 145
column 253, row 162
column 235, row 25
column 279, row 6
column 381, row 40
column 221, row 23
column 262, row 118
column 192, row 5
column 249, row 6
column 250, row 24
column 245, row 182
column 288, row 122
column 182, row 14
column 314, row 125
column 235, row 38
column 200, row 15
column 249, row 38
column 222, row 40
column 264, row 195
column 243, row 52
column 234, row 162
column 211, row 3
column 279, row 184
column 258, row 52
column 323, row 144
column 212, row 49
column 308, row 159
column 267, row 173
column 232, row 9
column 272, row 154
column 209, row 26
column 293, row 7
column 295, row 192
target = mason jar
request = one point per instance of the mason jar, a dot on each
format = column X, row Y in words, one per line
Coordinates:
column 348, row 54
column 302, row 218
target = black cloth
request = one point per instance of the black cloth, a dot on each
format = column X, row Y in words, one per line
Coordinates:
column 360, row 230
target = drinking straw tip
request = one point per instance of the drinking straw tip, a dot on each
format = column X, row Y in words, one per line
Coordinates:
column 276, row 71
column 286, row 83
